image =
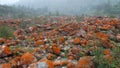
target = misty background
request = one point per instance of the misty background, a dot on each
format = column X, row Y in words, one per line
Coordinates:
column 60, row 7
column 66, row 6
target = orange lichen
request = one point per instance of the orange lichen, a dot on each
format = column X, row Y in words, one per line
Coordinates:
column 36, row 50
column 50, row 64
column 98, row 22
column 7, row 50
column 77, row 40
column 54, row 40
column 54, row 45
column 8, row 41
column 40, row 37
column 109, row 57
column 2, row 40
column 61, row 39
column 39, row 42
column 106, row 27
column 64, row 63
column 107, row 52
column 85, row 62
column 84, row 42
column 50, row 56
column 44, row 47
column 27, row 58
column 102, row 36
column 86, row 28
column 70, row 65
column 70, row 57
column 56, row 50
column 107, row 44
column 15, row 61
column 6, row 65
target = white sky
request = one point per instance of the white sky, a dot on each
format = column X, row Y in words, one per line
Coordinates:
column 8, row 1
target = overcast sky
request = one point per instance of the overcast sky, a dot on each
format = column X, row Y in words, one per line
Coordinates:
column 7, row 1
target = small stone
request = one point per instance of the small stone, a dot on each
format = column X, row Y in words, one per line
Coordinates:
column 66, row 48
column 42, row 65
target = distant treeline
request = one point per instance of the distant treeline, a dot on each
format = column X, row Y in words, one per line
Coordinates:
column 20, row 11
column 107, row 9
column 16, row 11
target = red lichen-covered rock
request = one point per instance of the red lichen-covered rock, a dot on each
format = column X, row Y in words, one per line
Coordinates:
column 39, row 42
column 6, row 65
column 27, row 58
column 6, row 50
column 70, row 65
column 2, row 40
column 61, row 39
column 85, row 62
column 77, row 41
column 107, row 52
column 56, row 50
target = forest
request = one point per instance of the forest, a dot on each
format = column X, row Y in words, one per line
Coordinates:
column 97, row 8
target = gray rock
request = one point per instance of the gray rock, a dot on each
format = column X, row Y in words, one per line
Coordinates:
column 42, row 65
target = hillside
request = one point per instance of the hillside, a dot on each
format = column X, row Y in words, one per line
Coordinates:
column 61, row 41
column 60, row 34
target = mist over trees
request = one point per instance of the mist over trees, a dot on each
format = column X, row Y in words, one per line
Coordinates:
column 15, row 11
column 61, row 7
column 67, row 6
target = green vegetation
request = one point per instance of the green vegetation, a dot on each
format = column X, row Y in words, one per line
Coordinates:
column 6, row 32
column 101, row 62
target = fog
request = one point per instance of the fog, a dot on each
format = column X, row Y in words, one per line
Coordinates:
column 65, row 6
column 8, row 2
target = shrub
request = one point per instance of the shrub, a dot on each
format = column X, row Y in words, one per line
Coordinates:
column 104, row 61
column 6, row 32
